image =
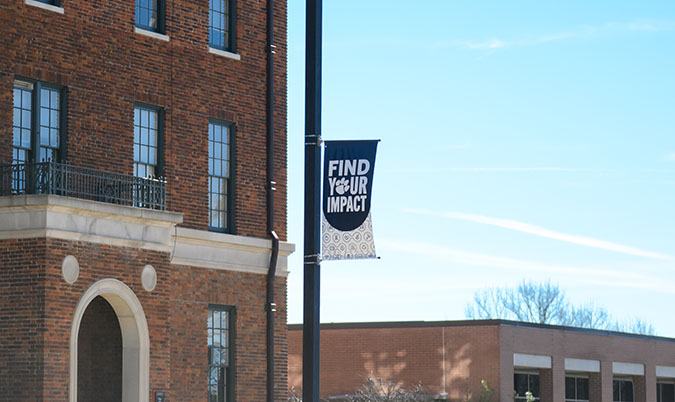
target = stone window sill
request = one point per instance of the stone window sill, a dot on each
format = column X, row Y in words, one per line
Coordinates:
column 151, row 34
column 224, row 53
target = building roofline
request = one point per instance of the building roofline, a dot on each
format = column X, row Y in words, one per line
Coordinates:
column 478, row 323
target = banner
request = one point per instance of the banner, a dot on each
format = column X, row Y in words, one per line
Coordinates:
column 347, row 231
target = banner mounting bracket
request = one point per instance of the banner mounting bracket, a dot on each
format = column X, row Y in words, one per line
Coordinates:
column 313, row 139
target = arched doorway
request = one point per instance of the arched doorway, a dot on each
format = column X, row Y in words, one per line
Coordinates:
column 99, row 354
column 101, row 297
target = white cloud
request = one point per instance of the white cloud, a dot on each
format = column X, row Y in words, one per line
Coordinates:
column 547, row 233
column 462, row 257
column 671, row 156
column 581, row 32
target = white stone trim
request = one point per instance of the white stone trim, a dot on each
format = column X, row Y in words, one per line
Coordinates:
column 534, row 361
column 151, row 34
column 628, row 368
column 135, row 338
column 45, row 6
column 30, row 216
column 665, row 371
column 204, row 249
column 587, row 366
column 224, row 53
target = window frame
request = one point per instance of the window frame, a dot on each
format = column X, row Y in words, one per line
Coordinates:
column 35, row 106
column 159, row 168
column 577, row 376
column 231, row 333
column 161, row 18
column 231, row 189
column 231, row 46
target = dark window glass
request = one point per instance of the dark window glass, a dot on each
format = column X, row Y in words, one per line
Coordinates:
column 570, row 388
column 534, row 385
column 146, row 139
column 524, row 383
column 148, row 14
column 582, row 389
column 220, row 343
column 665, row 392
column 219, row 176
column 576, row 389
column 51, row 2
column 623, row 391
column 221, row 24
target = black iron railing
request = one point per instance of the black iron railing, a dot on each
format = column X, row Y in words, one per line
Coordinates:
column 82, row 182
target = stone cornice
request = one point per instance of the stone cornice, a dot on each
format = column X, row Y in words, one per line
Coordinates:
column 203, row 249
column 30, row 216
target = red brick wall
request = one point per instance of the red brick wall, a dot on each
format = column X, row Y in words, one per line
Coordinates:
column 195, row 289
column 99, row 354
column 22, row 306
column 92, row 50
column 406, row 356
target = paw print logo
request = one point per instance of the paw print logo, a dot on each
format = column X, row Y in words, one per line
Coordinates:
column 342, row 186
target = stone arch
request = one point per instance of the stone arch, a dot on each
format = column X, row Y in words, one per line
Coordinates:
column 135, row 338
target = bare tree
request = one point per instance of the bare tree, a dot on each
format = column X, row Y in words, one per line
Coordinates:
column 383, row 390
column 546, row 303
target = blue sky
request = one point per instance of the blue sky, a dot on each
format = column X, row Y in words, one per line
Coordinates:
column 529, row 140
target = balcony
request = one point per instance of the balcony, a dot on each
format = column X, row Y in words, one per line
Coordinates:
column 84, row 183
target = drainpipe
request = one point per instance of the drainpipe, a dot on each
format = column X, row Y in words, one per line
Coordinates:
column 270, row 305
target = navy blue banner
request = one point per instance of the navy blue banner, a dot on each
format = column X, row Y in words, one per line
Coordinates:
column 347, row 182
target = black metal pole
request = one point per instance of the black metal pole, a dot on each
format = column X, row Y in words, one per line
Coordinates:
column 312, row 241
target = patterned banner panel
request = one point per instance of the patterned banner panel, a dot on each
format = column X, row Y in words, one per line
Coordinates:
column 352, row 245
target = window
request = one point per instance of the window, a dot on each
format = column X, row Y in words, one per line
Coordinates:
column 220, row 327
column 150, row 15
column 576, row 388
column 623, row 390
column 38, row 123
column 665, row 391
column 526, row 382
column 222, row 24
column 50, row 2
column 220, row 181
column 147, row 142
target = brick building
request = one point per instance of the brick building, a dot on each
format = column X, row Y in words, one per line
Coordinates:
column 451, row 358
column 143, row 200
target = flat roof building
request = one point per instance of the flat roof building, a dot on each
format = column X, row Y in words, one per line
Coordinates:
column 452, row 358
column 142, row 194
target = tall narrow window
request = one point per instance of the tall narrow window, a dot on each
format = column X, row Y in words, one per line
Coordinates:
column 524, row 383
column 150, row 15
column 37, row 136
column 220, row 327
column 22, row 142
column 576, row 388
column 221, row 24
column 623, row 391
column 146, row 142
column 220, row 194
column 49, row 124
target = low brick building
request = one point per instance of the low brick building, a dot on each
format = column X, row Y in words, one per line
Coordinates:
column 142, row 200
column 451, row 359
